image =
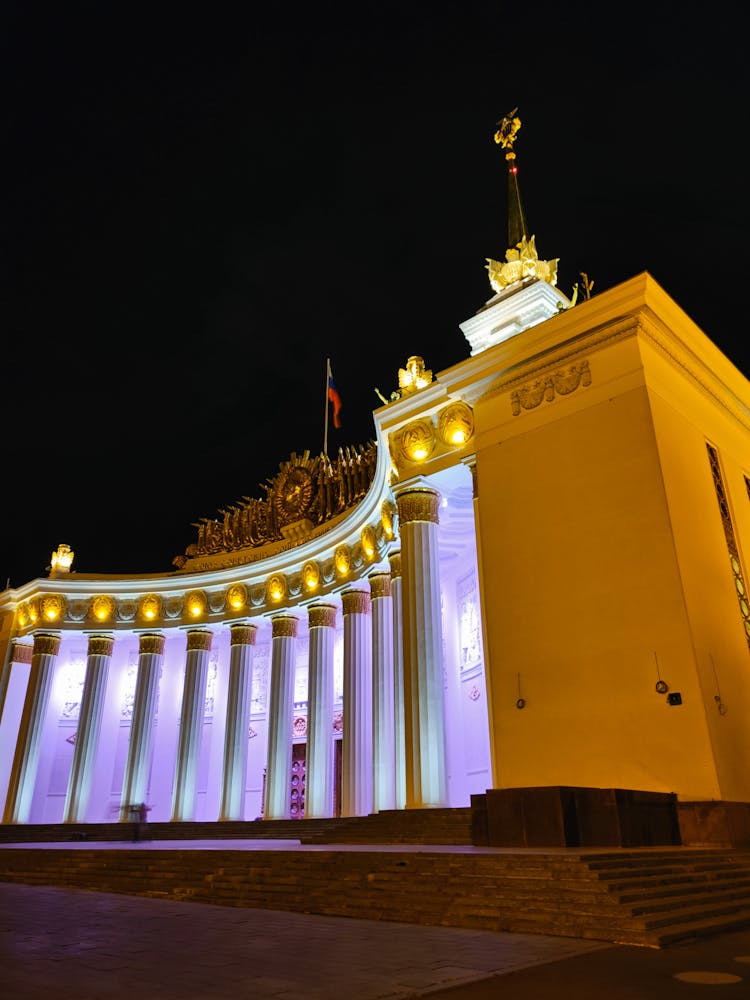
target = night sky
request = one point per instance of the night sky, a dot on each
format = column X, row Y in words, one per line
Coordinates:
column 201, row 205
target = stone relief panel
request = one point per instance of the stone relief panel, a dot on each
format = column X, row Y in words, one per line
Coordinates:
column 261, row 677
column 469, row 631
column 71, row 680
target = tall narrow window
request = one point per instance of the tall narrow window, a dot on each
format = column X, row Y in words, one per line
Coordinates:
column 734, row 553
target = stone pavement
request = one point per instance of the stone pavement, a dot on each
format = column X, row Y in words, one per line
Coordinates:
column 63, row 944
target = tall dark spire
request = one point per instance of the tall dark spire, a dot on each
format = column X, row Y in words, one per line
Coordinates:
column 521, row 259
column 505, row 136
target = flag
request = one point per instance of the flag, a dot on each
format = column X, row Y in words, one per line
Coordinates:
column 334, row 398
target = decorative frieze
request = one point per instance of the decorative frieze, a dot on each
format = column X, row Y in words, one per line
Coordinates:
column 560, row 383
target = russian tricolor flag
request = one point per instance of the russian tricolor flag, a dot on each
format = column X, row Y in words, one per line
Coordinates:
column 334, row 398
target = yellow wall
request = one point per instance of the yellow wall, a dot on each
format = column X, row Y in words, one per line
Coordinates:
column 582, row 587
column 685, row 418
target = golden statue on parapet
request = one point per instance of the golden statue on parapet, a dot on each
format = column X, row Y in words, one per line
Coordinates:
column 414, row 376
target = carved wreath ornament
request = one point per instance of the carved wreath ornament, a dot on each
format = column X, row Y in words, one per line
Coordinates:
column 560, row 383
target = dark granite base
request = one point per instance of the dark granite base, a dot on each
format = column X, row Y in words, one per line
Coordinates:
column 714, row 824
column 569, row 816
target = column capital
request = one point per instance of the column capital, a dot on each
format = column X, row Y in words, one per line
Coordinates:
column 394, row 558
column 199, row 638
column 21, row 652
column 380, row 584
column 419, row 503
column 355, row 602
column 151, row 642
column 243, row 634
column 284, row 625
column 101, row 645
column 46, row 642
column 321, row 616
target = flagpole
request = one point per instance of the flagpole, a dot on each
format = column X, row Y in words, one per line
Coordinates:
column 325, row 425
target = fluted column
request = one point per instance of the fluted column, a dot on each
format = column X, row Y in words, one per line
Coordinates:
column 319, row 751
column 280, row 716
column 356, row 750
column 191, row 725
column 398, row 680
column 383, row 694
column 424, row 727
column 81, row 775
column 28, row 744
column 234, row 776
column 137, row 764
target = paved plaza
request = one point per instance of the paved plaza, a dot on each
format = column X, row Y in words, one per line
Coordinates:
column 63, row 944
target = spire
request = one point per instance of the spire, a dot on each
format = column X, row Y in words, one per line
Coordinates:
column 505, row 136
column 521, row 260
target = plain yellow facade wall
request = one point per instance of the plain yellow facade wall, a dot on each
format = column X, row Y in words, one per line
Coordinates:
column 685, row 420
column 583, row 593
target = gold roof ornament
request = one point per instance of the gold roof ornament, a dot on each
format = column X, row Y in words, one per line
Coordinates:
column 414, row 376
column 521, row 259
column 61, row 561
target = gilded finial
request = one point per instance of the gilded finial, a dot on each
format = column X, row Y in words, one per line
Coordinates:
column 506, row 134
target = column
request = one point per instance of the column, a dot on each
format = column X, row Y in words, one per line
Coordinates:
column 28, row 744
column 98, row 658
column 383, row 694
column 280, row 716
column 424, row 730
column 488, row 675
column 398, row 680
column 356, row 749
column 319, row 751
column 138, row 762
column 234, row 775
column 191, row 725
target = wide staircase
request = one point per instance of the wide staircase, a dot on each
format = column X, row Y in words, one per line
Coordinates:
column 428, row 874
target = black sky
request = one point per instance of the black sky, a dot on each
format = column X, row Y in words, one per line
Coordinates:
column 202, row 204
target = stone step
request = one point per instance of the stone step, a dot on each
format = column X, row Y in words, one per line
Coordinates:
column 545, row 894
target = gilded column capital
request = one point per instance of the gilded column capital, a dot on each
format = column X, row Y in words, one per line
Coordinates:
column 199, row 638
column 284, row 625
column 46, row 643
column 21, row 653
column 380, row 584
column 418, row 504
column 355, row 602
column 101, row 645
column 151, row 642
column 243, row 635
column 321, row 616
column 394, row 558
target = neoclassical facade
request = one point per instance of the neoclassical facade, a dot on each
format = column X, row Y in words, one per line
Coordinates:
column 535, row 575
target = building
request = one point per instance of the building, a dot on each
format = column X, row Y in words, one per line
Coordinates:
column 533, row 578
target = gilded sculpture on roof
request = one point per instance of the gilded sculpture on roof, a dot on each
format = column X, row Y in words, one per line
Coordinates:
column 305, row 493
